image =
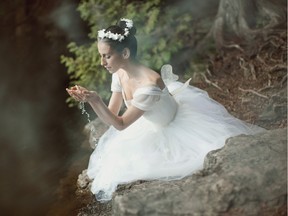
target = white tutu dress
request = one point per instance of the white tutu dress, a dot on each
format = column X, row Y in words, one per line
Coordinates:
column 181, row 124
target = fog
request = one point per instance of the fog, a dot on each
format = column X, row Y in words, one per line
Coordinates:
column 39, row 135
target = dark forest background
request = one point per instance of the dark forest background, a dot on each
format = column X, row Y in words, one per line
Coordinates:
column 40, row 135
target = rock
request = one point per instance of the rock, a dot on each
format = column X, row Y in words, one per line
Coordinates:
column 94, row 130
column 276, row 108
column 84, row 195
column 248, row 176
column 83, row 180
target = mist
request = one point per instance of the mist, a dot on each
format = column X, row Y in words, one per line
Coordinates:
column 40, row 136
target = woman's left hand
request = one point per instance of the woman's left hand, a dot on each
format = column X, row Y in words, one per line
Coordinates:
column 80, row 93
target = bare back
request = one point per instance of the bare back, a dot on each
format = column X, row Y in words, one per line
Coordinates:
column 143, row 77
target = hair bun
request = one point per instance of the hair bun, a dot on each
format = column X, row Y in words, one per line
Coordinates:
column 132, row 31
column 123, row 24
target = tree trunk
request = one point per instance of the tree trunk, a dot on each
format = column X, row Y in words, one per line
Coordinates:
column 241, row 19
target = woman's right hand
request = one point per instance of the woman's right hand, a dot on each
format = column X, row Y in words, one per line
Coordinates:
column 81, row 94
column 75, row 93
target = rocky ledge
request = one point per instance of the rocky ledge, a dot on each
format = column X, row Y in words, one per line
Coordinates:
column 248, row 176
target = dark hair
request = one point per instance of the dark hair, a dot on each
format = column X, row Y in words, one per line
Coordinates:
column 129, row 41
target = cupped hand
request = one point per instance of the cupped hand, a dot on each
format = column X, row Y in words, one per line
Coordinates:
column 81, row 94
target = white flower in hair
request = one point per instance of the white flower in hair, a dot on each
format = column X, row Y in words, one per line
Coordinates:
column 115, row 36
column 101, row 33
column 126, row 32
column 129, row 23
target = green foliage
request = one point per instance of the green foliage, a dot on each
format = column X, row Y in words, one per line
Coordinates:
column 162, row 31
column 84, row 68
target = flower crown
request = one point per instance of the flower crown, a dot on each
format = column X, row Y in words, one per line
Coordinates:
column 115, row 36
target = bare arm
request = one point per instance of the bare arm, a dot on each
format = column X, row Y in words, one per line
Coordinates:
column 115, row 102
column 104, row 113
column 119, row 122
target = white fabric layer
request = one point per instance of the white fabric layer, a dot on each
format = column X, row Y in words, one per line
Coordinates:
column 168, row 142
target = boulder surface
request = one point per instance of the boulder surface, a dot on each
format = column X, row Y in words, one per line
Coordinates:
column 248, row 176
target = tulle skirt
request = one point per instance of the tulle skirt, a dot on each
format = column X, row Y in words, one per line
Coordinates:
column 146, row 151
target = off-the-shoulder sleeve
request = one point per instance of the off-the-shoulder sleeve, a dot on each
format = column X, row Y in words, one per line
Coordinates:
column 115, row 84
column 146, row 98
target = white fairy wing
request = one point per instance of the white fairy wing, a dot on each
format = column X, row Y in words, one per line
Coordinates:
column 186, row 84
column 167, row 74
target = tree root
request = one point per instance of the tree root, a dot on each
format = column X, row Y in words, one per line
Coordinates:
column 236, row 46
column 268, row 85
column 241, row 64
column 273, row 59
column 210, row 82
column 278, row 68
column 253, row 72
column 261, row 60
column 269, row 79
column 208, row 71
column 263, row 46
column 253, row 92
column 265, row 88
column 283, row 80
column 246, row 71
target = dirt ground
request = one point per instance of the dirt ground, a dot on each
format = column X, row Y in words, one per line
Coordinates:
column 251, row 81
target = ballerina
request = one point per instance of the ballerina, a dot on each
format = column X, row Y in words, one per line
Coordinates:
column 168, row 126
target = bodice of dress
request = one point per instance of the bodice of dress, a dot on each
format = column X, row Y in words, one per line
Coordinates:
column 159, row 106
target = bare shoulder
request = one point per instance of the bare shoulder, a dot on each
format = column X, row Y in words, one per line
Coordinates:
column 153, row 77
column 149, row 73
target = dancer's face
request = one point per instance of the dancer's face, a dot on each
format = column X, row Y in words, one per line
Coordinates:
column 110, row 58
